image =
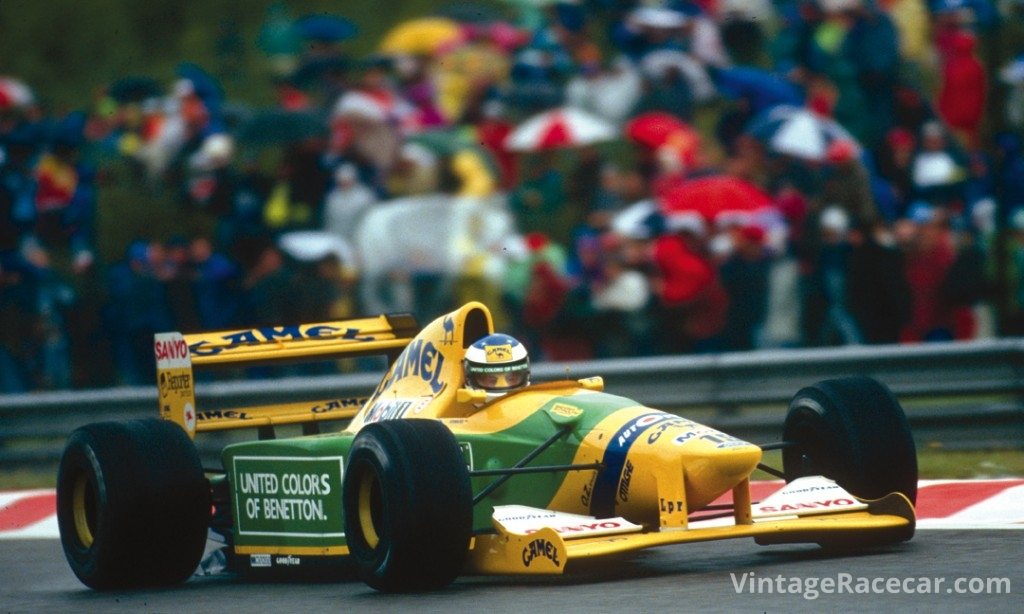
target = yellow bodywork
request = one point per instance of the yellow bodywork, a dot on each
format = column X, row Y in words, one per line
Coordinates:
column 888, row 519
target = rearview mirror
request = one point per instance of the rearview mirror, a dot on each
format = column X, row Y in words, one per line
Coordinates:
column 470, row 395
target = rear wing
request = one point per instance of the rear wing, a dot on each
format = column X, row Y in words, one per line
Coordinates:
column 177, row 355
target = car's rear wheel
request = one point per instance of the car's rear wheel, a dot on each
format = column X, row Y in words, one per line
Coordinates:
column 408, row 505
column 133, row 504
column 853, row 431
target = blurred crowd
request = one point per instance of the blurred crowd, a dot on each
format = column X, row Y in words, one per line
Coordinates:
column 613, row 178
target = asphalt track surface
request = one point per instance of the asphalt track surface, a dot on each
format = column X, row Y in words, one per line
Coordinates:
column 685, row 578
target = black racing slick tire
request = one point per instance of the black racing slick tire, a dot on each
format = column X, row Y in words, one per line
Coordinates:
column 133, row 504
column 853, row 431
column 408, row 505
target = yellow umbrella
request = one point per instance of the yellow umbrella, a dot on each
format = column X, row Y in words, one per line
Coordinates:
column 421, row 36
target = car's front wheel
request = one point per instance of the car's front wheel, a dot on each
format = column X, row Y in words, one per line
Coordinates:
column 853, row 431
column 408, row 505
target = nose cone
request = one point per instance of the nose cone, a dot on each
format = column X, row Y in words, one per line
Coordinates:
column 716, row 470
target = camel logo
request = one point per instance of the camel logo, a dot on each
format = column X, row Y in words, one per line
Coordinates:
column 449, row 331
column 498, row 353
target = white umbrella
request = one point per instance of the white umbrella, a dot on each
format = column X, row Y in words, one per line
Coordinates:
column 656, row 63
column 14, row 93
column 561, row 127
column 657, row 17
column 631, row 222
column 799, row 132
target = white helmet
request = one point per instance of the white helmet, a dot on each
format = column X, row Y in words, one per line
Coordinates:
column 497, row 363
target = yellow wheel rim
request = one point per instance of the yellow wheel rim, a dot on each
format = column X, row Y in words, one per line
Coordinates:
column 367, row 492
column 80, row 511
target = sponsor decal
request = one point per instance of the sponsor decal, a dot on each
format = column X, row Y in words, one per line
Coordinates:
column 182, row 381
column 259, row 560
column 564, row 410
column 671, row 423
column 721, row 440
column 256, row 336
column 669, row 506
column 336, row 405
column 498, row 353
column 627, row 476
column 602, row 503
column 638, row 425
column 448, row 324
column 420, row 359
column 287, row 561
column 540, row 548
column 587, row 527
column 288, row 496
column 806, row 505
column 225, row 414
column 170, row 350
column 588, row 491
column 393, row 409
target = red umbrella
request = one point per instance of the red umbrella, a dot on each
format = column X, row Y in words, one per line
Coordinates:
column 656, row 129
column 557, row 128
column 717, row 198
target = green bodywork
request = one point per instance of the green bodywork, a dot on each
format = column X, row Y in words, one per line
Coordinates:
column 287, row 492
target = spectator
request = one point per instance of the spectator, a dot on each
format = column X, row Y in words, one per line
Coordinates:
column 929, row 258
column 827, row 319
column 620, row 298
column 137, row 310
column 216, row 286
column 877, row 287
column 962, row 97
column 346, row 203
column 745, row 279
column 848, row 185
column 693, row 304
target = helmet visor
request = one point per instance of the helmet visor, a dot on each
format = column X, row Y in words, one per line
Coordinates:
column 503, row 377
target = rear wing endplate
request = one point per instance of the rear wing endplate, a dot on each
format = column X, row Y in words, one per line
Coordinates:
column 177, row 355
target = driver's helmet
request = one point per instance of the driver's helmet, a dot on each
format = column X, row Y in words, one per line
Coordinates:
column 497, row 363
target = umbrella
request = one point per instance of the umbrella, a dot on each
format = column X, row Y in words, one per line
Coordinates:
column 657, row 63
column 717, row 198
column 762, row 88
column 134, row 89
column 323, row 27
column 14, row 93
column 657, row 17
column 636, row 221
column 274, row 127
column 657, row 129
column 799, row 132
column 561, row 127
column 425, row 36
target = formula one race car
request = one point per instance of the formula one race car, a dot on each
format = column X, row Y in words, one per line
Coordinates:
column 433, row 478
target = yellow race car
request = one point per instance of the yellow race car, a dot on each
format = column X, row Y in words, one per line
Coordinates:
column 433, row 478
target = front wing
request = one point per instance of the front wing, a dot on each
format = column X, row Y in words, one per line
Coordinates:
column 546, row 551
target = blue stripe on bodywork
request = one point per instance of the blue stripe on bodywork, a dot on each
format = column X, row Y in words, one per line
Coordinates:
column 602, row 504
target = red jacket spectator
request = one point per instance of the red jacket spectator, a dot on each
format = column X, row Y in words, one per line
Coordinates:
column 931, row 315
column 690, row 283
column 962, row 96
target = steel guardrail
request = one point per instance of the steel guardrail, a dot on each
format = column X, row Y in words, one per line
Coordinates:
column 967, row 387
